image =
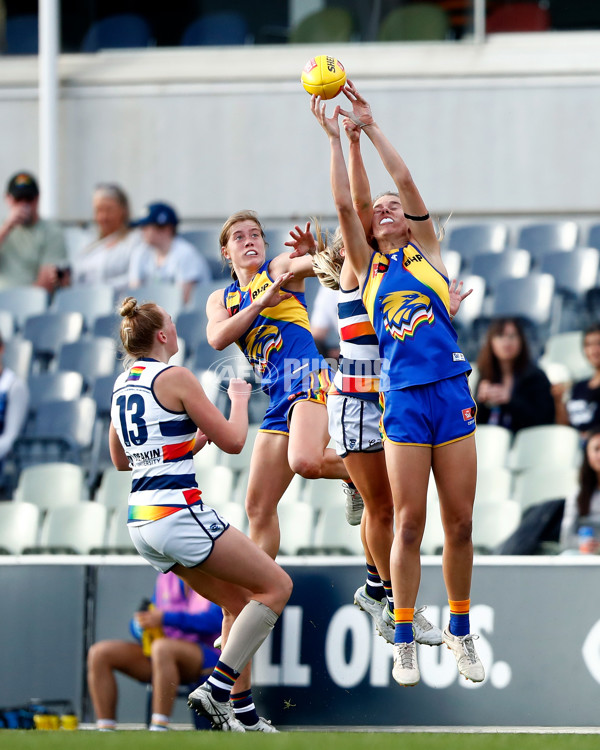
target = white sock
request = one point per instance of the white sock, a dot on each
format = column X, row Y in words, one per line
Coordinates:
column 159, row 723
column 106, row 725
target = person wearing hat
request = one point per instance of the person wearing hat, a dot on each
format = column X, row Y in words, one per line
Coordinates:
column 166, row 256
column 32, row 250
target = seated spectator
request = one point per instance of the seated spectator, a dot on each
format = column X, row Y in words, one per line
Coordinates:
column 581, row 409
column 187, row 626
column 14, row 402
column 582, row 508
column 106, row 260
column 32, row 250
column 512, row 391
column 166, row 256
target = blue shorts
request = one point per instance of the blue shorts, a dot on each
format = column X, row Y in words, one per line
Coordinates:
column 311, row 387
column 429, row 415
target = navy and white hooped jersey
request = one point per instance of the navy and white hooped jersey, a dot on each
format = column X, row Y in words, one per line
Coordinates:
column 408, row 302
column 358, row 371
column 158, row 444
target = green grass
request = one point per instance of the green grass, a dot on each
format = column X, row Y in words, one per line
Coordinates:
column 123, row 740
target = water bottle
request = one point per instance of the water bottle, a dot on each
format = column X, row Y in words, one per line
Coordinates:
column 587, row 540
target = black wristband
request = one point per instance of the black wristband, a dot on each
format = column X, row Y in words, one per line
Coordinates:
column 416, row 218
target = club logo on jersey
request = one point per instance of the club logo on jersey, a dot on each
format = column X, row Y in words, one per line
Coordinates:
column 381, row 266
column 404, row 312
column 261, row 341
column 234, row 300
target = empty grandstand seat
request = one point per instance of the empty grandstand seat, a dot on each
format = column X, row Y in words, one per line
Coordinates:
column 52, row 386
column 117, row 541
column 91, row 300
column 164, row 293
column 296, row 524
column 216, row 484
column 453, row 262
column 518, row 16
column 567, row 349
column 432, row 542
column 72, row 529
column 414, row 22
column 493, row 483
column 51, row 484
column 23, row 302
column 493, row 446
column 493, row 523
column 21, row 35
column 219, row 28
column 548, row 236
column 7, row 325
column 19, row 527
column 49, row 331
column 119, row 31
column 18, row 353
column 333, row 535
column 493, row 267
column 549, row 446
column 191, row 327
column 107, row 325
column 575, row 272
column 593, row 237
column 473, row 239
column 91, row 357
column 540, row 485
column 529, row 298
column 326, row 25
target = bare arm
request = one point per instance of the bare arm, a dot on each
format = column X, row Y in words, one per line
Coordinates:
column 358, row 252
column 223, row 329
column 117, row 452
column 359, row 181
column 412, row 203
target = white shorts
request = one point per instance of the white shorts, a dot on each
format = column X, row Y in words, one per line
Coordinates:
column 354, row 424
column 186, row 537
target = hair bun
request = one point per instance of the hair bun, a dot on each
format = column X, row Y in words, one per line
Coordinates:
column 129, row 307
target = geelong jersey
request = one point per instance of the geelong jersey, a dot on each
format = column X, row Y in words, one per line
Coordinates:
column 408, row 303
column 279, row 344
column 358, row 371
column 158, row 444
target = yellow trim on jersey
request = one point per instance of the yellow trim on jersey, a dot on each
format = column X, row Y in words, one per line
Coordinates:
column 288, row 310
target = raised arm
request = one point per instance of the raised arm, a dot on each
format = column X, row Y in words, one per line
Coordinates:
column 359, row 181
column 414, row 208
column 223, row 329
column 358, row 252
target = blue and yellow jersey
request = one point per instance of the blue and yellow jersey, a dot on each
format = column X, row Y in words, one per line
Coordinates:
column 279, row 344
column 408, row 302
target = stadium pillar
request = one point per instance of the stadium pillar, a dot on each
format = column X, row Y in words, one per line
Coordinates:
column 48, row 106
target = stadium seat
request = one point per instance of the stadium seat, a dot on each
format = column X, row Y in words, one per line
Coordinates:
column 48, row 332
column 108, row 326
column 19, row 527
column 239, row 461
column 549, row 446
column 326, row 25
column 415, row 22
column 433, row 535
column 321, row 494
column 119, row 31
column 518, row 16
column 18, row 353
column 575, row 272
column 216, row 484
column 453, row 261
column 23, row 302
column 493, row 523
column 72, row 529
column 166, row 294
column 91, row 300
column 493, row 445
column 469, row 312
column 91, row 357
column 7, row 325
column 529, row 298
column 567, row 349
column 474, row 239
column 548, row 236
column 50, row 485
column 114, row 488
column 21, row 35
column 333, row 535
column 593, row 237
column 191, row 327
column 52, row 386
column 234, row 514
column 296, row 524
column 493, row 267
column 539, row 485
column 493, row 483
column 216, row 29
column 118, row 540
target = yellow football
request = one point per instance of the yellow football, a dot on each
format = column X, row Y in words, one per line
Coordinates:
column 324, row 76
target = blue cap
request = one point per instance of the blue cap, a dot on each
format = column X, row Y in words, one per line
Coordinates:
column 160, row 214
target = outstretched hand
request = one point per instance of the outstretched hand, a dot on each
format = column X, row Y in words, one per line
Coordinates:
column 361, row 113
column 329, row 124
column 273, row 295
column 352, row 130
column 456, row 295
column 302, row 242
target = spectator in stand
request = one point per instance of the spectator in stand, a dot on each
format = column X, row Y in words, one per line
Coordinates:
column 584, row 503
column 166, row 256
column 106, row 260
column 32, row 250
column 581, row 407
column 512, row 392
column 174, row 634
column 14, row 401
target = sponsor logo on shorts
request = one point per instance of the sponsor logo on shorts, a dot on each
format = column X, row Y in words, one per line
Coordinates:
column 458, row 357
column 214, row 527
column 468, row 414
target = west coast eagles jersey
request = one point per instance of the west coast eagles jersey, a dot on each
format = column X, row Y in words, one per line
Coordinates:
column 279, row 344
column 408, row 302
column 158, row 444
